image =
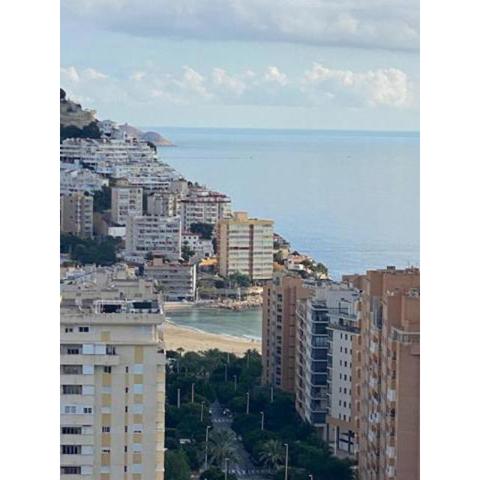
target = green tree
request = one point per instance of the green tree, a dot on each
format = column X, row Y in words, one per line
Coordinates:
column 205, row 230
column 215, row 473
column 102, row 199
column 239, row 279
column 187, row 252
column 176, row 465
column 272, row 454
column 222, row 446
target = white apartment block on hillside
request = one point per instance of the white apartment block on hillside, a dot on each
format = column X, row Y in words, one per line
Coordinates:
column 154, row 234
column 80, row 180
column 90, row 152
column 204, row 206
column 126, row 200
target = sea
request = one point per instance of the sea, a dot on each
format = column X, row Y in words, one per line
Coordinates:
column 350, row 199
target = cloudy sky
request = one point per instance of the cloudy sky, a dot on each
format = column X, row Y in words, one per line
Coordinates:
column 339, row 64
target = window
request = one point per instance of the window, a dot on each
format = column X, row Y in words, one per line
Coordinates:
column 126, row 408
column 70, row 470
column 126, row 369
column 105, row 429
column 110, row 350
column 107, row 369
column 137, row 428
column 87, row 369
column 89, row 389
column 71, row 449
column 71, row 369
column 68, row 329
column 138, row 368
column 71, row 389
column 87, row 410
column 83, row 329
column 70, row 409
column 71, row 430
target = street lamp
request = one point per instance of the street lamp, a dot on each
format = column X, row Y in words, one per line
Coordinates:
column 286, row 461
column 178, row 398
column 206, row 446
column 201, row 412
column 248, row 403
column 226, row 467
column 263, row 420
column 193, row 392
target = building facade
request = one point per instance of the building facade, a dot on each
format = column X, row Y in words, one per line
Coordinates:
column 200, row 205
column 112, row 388
column 279, row 323
column 76, row 214
column 389, row 374
column 178, row 281
column 126, row 201
column 154, row 234
column 245, row 245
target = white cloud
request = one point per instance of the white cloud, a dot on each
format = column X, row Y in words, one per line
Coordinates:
column 389, row 24
column 70, row 74
column 274, row 75
column 388, row 87
column 383, row 87
column 92, row 74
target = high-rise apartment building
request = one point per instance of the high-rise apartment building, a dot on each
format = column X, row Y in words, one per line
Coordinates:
column 323, row 379
column 200, row 205
column 389, row 374
column 76, row 214
column 342, row 361
column 279, row 330
column 126, row 201
column 112, row 387
column 245, row 245
column 155, row 234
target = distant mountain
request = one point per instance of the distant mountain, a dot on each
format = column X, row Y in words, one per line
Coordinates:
column 152, row 137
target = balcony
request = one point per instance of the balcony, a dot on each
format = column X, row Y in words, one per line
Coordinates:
column 76, row 460
column 107, row 360
column 391, row 395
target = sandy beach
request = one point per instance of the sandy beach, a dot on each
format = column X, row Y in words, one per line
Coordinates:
column 196, row 341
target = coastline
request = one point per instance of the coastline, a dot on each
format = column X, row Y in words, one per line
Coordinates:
column 193, row 340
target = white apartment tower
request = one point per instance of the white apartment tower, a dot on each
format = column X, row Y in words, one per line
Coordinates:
column 126, row 201
column 203, row 206
column 154, row 234
column 112, row 387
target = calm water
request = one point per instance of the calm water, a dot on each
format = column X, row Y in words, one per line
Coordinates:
column 246, row 324
column 349, row 199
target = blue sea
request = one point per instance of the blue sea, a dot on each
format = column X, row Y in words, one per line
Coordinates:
column 350, row 199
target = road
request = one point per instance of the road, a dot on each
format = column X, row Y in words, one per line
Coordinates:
column 244, row 469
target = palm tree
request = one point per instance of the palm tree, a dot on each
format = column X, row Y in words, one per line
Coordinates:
column 222, row 446
column 271, row 454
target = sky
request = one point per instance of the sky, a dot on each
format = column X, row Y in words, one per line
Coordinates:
column 309, row 64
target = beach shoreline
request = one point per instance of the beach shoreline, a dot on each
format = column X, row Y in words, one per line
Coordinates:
column 193, row 340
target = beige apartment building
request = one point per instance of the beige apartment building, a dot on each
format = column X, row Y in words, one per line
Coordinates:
column 389, row 372
column 279, row 330
column 112, row 385
column 76, row 214
column 245, row 245
column 126, row 201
